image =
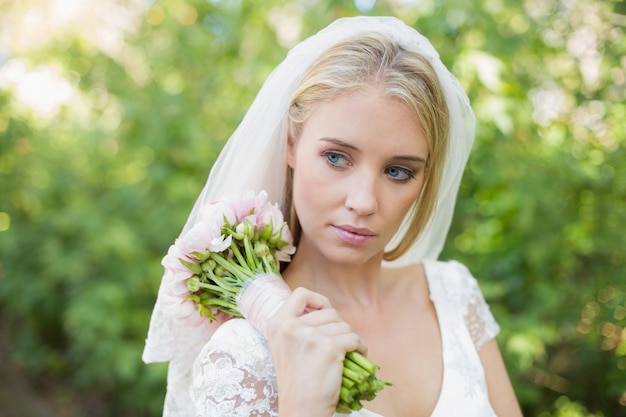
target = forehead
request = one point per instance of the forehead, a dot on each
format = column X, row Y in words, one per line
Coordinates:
column 368, row 116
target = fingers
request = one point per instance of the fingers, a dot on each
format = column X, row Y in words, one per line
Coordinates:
column 303, row 300
column 309, row 316
column 308, row 341
column 311, row 309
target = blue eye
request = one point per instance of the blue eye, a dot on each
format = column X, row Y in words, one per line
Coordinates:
column 335, row 159
column 400, row 174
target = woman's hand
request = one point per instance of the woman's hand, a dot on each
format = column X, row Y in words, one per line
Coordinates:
column 308, row 342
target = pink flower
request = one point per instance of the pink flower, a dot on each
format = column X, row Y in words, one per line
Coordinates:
column 205, row 235
column 268, row 214
column 215, row 211
column 261, row 201
column 277, row 220
column 177, row 271
column 246, row 205
column 284, row 254
column 247, row 234
column 181, row 312
column 187, row 314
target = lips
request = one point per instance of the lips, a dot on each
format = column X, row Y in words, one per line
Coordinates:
column 353, row 235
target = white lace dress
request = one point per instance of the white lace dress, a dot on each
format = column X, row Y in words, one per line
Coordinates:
column 234, row 376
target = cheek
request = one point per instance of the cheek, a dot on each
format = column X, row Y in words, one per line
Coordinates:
column 404, row 202
column 307, row 187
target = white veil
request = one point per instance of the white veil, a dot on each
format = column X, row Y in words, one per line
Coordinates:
column 254, row 159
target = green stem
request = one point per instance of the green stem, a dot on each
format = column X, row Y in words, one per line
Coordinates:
column 346, row 395
column 235, row 248
column 241, row 273
column 362, row 361
column 266, row 265
column 249, row 254
column 213, row 289
column 354, row 367
column 223, row 284
column 346, row 382
column 223, row 305
column 353, row 375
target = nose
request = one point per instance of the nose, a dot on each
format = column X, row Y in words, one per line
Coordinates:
column 362, row 196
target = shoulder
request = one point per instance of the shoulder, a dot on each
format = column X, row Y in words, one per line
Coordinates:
column 453, row 271
column 453, row 280
column 453, row 287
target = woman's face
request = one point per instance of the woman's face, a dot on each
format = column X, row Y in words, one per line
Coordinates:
column 358, row 167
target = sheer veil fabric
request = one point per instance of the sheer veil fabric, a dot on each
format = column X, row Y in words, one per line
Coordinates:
column 254, row 159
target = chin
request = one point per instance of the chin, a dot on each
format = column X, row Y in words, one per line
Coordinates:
column 351, row 257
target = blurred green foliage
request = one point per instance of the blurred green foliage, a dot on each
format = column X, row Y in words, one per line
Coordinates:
column 100, row 164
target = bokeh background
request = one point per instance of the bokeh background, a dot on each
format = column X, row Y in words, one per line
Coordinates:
column 112, row 112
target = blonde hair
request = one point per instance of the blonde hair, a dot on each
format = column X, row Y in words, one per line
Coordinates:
column 375, row 59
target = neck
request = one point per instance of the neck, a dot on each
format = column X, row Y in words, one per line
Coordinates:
column 342, row 283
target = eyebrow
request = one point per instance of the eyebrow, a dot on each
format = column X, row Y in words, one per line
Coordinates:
column 338, row 142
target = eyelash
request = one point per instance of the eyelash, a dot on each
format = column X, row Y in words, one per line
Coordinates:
column 409, row 173
column 331, row 154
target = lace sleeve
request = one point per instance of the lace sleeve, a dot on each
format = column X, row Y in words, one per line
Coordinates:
column 480, row 322
column 234, row 376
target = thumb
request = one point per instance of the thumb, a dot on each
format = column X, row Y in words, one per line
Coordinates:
column 303, row 300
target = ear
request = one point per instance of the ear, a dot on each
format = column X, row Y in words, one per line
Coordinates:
column 291, row 152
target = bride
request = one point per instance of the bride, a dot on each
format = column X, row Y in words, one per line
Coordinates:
column 363, row 136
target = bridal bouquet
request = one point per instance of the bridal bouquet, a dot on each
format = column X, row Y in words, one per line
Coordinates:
column 228, row 263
